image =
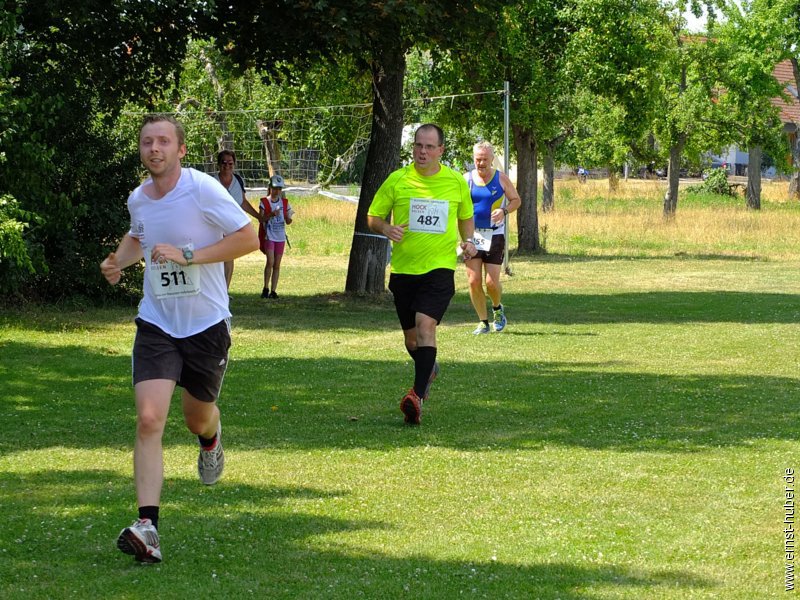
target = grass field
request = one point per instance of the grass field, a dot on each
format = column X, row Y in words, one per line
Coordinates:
column 626, row 437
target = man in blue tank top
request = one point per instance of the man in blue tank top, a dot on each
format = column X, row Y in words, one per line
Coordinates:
column 493, row 198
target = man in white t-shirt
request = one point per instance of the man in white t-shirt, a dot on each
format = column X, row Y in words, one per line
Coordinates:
column 185, row 225
column 233, row 182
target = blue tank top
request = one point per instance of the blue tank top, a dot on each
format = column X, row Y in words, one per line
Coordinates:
column 485, row 198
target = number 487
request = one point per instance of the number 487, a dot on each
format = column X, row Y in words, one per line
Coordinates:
column 429, row 220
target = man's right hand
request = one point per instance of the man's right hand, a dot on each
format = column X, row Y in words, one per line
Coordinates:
column 110, row 269
column 395, row 232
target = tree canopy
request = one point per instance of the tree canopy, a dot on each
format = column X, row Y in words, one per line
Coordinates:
column 68, row 68
column 377, row 36
column 593, row 80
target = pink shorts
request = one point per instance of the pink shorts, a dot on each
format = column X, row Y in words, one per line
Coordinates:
column 276, row 247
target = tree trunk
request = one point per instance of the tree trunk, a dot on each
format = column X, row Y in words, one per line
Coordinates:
column 675, row 151
column 753, row 192
column 224, row 141
column 794, row 182
column 366, row 271
column 548, row 183
column 527, row 186
column 794, row 179
column 613, row 179
column 268, row 130
column 673, row 176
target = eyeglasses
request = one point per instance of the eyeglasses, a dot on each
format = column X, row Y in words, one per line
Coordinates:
column 428, row 147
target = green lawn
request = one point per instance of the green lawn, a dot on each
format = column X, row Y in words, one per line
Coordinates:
column 626, row 437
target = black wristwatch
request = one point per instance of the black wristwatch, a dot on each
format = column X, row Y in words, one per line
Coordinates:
column 505, row 211
column 188, row 255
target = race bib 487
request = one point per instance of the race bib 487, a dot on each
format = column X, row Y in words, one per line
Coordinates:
column 426, row 215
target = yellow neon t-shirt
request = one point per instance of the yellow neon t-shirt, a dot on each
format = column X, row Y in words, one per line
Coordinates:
column 420, row 252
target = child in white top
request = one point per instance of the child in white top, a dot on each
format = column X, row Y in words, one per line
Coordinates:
column 277, row 213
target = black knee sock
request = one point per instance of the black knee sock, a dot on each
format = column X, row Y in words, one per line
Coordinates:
column 423, row 367
column 207, row 442
column 412, row 353
column 149, row 512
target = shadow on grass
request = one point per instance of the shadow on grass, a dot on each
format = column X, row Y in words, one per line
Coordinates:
column 651, row 307
column 257, row 541
column 76, row 397
column 340, row 311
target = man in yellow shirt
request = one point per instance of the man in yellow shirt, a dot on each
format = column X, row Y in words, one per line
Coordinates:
column 430, row 208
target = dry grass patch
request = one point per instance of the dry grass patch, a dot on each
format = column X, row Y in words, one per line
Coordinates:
column 588, row 220
column 653, row 189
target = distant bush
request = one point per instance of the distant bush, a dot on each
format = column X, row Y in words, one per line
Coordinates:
column 715, row 181
column 18, row 257
column 66, row 166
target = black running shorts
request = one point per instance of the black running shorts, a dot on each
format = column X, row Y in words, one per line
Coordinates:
column 429, row 294
column 494, row 256
column 196, row 363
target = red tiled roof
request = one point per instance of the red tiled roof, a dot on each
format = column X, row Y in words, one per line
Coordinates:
column 790, row 111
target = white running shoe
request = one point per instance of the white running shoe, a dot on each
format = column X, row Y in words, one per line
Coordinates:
column 499, row 319
column 481, row 328
column 211, row 462
column 141, row 540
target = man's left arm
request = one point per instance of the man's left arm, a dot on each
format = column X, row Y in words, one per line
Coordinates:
column 248, row 208
column 512, row 196
column 240, row 242
column 514, row 200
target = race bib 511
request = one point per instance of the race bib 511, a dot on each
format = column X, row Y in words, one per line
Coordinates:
column 171, row 280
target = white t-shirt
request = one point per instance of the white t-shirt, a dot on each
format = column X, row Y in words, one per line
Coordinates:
column 197, row 213
column 276, row 226
column 235, row 189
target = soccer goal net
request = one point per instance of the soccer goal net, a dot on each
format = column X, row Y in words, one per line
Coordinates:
column 311, row 147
